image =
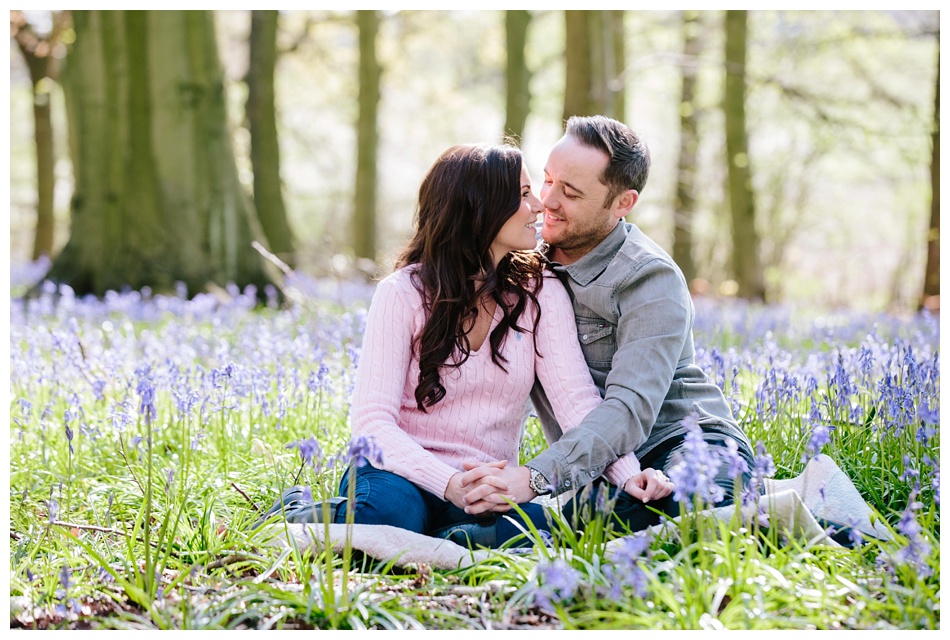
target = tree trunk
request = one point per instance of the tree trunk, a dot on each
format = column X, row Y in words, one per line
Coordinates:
column 364, row 209
column 156, row 199
column 517, row 74
column 265, row 150
column 577, row 65
column 685, row 208
column 594, row 62
column 745, row 239
column 931, row 293
column 43, row 68
column 617, row 64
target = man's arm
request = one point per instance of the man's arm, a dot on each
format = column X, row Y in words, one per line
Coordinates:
column 655, row 318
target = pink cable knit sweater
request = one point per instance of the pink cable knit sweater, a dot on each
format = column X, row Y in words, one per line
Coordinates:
column 481, row 414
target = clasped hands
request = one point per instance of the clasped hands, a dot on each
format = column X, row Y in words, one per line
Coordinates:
column 487, row 487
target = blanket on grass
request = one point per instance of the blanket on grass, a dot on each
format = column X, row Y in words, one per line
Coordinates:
column 795, row 506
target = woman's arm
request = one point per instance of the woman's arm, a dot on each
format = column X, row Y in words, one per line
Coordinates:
column 380, row 384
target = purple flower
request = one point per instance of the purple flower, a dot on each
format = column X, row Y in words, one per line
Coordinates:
column 310, row 451
column 916, row 552
column 146, row 391
column 65, row 577
column 558, row 581
column 363, row 450
column 695, row 465
column 926, row 414
column 737, row 464
column 624, row 568
column 53, row 507
column 819, row 438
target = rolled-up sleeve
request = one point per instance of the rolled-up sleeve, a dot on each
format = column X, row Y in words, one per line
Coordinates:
column 654, row 321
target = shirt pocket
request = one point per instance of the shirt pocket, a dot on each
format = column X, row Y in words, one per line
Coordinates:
column 598, row 341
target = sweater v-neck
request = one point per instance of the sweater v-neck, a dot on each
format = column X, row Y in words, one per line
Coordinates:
column 491, row 327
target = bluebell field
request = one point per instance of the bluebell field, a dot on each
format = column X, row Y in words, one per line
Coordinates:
column 227, row 387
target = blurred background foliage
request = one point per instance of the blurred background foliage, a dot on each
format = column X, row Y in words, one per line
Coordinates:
column 833, row 188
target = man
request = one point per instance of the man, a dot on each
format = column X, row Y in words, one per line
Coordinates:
column 634, row 321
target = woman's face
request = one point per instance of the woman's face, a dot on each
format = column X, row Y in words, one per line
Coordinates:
column 519, row 232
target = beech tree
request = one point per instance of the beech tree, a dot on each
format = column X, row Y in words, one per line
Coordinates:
column 594, row 64
column 157, row 198
column 44, row 55
column 746, row 261
column 517, row 74
column 367, row 133
column 261, row 114
column 686, row 169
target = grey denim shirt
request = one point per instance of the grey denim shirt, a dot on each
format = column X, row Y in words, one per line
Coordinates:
column 634, row 320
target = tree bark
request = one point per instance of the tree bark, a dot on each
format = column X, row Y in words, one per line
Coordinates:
column 931, row 293
column 745, row 239
column 577, row 65
column 517, row 74
column 156, row 199
column 594, row 61
column 364, row 209
column 265, row 149
column 43, row 68
column 685, row 208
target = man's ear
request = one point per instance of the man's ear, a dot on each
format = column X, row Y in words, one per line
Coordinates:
column 625, row 202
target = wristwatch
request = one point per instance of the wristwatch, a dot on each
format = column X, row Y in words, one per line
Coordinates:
column 538, row 483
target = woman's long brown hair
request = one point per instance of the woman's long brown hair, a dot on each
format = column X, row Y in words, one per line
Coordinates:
column 464, row 200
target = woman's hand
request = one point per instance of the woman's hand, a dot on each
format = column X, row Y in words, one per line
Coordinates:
column 649, row 484
column 476, row 475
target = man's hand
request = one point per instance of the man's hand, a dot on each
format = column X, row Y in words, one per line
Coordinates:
column 491, row 486
column 649, row 484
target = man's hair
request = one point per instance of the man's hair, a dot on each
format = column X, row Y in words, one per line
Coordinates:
column 628, row 156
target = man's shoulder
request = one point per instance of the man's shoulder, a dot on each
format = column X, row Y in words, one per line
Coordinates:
column 639, row 250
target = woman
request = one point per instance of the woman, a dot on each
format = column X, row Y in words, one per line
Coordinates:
column 454, row 339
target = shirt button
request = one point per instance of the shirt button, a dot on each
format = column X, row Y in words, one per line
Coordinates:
column 592, row 474
column 584, row 337
column 567, row 483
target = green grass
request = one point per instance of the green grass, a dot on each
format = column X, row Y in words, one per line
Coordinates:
column 148, row 549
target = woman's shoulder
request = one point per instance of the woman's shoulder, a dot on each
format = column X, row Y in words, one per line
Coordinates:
column 399, row 283
column 551, row 292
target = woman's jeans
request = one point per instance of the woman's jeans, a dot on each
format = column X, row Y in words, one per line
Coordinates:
column 382, row 497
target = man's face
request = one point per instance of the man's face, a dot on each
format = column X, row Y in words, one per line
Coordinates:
column 575, row 219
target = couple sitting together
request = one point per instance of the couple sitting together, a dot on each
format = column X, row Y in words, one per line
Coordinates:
column 594, row 325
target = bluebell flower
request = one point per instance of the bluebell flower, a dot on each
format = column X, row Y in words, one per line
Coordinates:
column 557, row 584
column 624, row 568
column 53, row 508
column 363, row 450
column 146, row 390
column 737, row 464
column 917, row 550
column 909, row 471
column 310, row 451
column 819, row 438
column 928, row 415
column 694, row 468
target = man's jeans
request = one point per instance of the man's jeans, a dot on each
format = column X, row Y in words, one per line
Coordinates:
column 382, row 497
column 638, row 515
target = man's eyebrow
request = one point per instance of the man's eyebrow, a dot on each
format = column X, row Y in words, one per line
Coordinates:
column 567, row 184
column 572, row 187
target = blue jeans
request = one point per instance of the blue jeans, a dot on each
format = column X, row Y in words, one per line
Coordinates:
column 382, row 497
column 631, row 512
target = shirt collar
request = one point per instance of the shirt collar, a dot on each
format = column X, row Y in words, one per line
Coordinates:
column 593, row 264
